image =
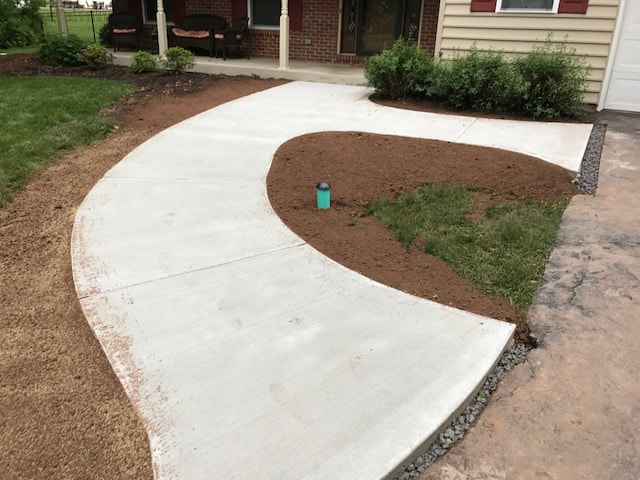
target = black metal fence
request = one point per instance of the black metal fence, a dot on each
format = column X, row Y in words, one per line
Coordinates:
column 85, row 23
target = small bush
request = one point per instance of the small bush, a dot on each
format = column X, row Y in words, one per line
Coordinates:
column 553, row 81
column 177, row 60
column 402, row 70
column 105, row 35
column 482, row 81
column 95, row 56
column 143, row 62
column 62, row 51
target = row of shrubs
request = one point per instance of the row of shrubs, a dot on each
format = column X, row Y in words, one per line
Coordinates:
column 546, row 83
column 20, row 26
column 72, row 51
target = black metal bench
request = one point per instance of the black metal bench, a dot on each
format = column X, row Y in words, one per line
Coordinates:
column 197, row 31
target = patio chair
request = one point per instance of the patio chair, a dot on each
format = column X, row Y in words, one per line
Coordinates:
column 125, row 29
column 232, row 38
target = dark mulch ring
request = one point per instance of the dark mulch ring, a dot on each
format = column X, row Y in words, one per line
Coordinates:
column 149, row 84
column 427, row 105
column 363, row 167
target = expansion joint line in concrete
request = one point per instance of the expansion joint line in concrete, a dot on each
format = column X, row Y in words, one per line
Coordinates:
column 195, row 270
column 466, row 129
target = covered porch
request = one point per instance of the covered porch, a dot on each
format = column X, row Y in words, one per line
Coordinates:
column 322, row 31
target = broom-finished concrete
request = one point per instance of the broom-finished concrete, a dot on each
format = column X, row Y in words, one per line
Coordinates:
column 247, row 353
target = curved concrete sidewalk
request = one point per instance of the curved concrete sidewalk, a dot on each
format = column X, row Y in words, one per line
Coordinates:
column 248, row 353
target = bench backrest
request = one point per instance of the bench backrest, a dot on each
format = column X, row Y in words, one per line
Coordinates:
column 203, row 22
column 124, row 20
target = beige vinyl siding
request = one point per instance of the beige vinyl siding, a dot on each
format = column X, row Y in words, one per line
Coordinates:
column 590, row 34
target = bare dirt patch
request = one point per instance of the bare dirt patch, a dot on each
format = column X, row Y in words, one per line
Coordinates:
column 363, row 167
column 64, row 412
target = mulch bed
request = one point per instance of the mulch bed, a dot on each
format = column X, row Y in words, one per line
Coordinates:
column 149, row 85
column 422, row 104
column 362, row 167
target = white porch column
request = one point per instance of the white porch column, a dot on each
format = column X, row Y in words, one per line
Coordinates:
column 161, row 19
column 284, row 35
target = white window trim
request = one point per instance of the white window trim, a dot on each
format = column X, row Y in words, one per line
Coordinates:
column 259, row 27
column 554, row 9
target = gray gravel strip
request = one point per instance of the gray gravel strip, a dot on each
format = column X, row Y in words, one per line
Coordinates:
column 513, row 356
column 587, row 178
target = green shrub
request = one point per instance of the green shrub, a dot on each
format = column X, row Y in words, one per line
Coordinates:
column 482, row 81
column 95, row 56
column 62, row 51
column 553, row 81
column 16, row 31
column 177, row 60
column 20, row 26
column 105, row 35
column 402, row 70
column 143, row 62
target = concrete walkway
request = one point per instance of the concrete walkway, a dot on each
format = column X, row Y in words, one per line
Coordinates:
column 247, row 353
column 573, row 410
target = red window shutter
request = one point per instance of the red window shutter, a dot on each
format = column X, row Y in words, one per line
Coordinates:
column 179, row 11
column 295, row 14
column 135, row 6
column 573, row 6
column 483, row 5
column 238, row 10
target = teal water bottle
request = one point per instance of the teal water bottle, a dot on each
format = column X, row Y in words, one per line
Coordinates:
column 323, row 190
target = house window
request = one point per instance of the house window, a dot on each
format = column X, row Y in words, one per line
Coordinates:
column 530, row 6
column 265, row 13
column 549, row 6
column 150, row 8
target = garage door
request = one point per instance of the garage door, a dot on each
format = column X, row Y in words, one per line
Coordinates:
column 624, row 89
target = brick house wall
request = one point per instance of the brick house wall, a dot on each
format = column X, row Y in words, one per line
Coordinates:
column 429, row 25
column 320, row 19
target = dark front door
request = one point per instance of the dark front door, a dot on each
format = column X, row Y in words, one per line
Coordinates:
column 369, row 26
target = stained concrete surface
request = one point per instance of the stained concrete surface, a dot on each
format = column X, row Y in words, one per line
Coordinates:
column 573, row 410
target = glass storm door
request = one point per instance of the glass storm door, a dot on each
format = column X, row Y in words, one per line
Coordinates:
column 369, row 26
column 380, row 23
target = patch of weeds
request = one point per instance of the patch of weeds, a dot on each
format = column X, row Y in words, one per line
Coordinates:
column 503, row 252
column 354, row 223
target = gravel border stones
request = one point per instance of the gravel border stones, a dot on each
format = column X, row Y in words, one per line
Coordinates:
column 587, row 178
column 514, row 355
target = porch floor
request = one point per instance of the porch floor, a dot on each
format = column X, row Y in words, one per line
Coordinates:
column 268, row 68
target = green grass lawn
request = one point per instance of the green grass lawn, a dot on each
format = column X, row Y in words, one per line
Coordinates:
column 504, row 252
column 78, row 22
column 43, row 115
column 16, row 50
